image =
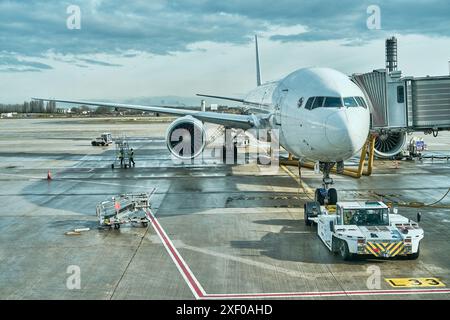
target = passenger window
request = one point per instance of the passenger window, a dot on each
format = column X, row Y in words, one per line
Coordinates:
column 332, row 102
column 400, row 94
column 318, row 102
column 309, row 103
column 350, row 102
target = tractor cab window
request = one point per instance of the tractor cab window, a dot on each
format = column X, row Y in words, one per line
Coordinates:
column 366, row 217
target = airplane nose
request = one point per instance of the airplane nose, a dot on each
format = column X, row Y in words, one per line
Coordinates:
column 336, row 131
column 347, row 130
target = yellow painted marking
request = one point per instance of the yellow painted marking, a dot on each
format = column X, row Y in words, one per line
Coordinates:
column 414, row 282
column 289, row 172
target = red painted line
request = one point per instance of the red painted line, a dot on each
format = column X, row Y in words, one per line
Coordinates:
column 179, row 261
column 201, row 294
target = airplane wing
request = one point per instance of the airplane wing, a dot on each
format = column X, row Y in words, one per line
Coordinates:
column 226, row 119
column 243, row 101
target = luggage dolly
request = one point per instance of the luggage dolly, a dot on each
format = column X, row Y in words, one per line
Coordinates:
column 121, row 147
column 124, row 209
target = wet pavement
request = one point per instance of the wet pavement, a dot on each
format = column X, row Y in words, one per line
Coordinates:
column 239, row 229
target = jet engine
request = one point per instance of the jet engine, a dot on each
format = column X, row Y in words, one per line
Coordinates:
column 390, row 143
column 186, row 137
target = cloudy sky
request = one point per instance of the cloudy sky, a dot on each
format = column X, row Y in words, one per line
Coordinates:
column 136, row 49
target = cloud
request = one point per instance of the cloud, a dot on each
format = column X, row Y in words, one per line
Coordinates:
column 279, row 30
column 100, row 63
column 330, row 19
column 9, row 69
column 10, row 63
column 123, row 28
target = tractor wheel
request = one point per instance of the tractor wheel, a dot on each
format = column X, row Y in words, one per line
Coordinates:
column 319, row 197
column 344, row 252
column 332, row 196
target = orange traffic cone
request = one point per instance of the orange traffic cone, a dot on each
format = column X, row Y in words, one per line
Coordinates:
column 49, row 176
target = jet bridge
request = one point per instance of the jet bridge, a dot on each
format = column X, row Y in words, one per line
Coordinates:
column 404, row 104
column 400, row 105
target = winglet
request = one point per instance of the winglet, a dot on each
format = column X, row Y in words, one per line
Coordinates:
column 258, row 69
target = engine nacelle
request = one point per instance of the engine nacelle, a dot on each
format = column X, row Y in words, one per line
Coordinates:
column 186, row 137
column 389, row 144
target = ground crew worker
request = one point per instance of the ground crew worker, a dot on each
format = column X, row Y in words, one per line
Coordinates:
column 121, row 157
column 131, row 156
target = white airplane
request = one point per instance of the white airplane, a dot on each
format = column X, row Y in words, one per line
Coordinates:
column 320, row 114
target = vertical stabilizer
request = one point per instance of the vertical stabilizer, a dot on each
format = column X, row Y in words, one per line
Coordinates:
column 258, row 70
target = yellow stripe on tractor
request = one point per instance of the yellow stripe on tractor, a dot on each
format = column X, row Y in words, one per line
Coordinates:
column 391, row 246
column 380, row 247
column 385, row 249
column 372, row 248
column 369, row 249
column 397, row 249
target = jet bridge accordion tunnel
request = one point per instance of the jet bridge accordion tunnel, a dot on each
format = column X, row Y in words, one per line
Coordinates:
column 400, row 105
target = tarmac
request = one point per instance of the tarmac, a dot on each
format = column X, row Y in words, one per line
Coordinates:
column 218, row 231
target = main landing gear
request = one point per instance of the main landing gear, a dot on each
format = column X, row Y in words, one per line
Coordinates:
column 326, row 195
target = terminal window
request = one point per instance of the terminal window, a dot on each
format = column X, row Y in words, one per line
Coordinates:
column 400, row 94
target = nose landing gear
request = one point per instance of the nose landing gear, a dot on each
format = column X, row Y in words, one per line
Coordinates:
column 326, row 195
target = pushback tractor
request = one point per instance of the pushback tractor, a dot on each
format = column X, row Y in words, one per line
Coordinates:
column 104, row 140
column 353, row 229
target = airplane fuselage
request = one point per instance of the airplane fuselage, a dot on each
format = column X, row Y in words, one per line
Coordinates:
column 318, row 113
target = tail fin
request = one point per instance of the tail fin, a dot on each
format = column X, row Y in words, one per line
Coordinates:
column 258, row 69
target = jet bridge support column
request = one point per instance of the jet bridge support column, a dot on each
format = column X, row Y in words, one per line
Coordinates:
column 367, row 150
column 369, row 147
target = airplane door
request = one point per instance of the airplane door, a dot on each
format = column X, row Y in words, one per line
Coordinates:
column 278, row 106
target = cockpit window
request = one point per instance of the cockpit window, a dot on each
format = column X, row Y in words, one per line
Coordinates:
column 350, row 102
column 309, row 103
column 332, row 102
column 361, row 102
column 318, row 102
